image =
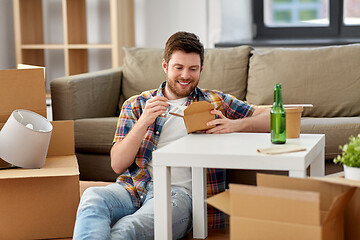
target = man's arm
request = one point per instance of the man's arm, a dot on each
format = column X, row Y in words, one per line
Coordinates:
column 258, row 122
column 123, row 153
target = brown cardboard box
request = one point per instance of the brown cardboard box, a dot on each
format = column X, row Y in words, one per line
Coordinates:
column 41, row 203
column 37, row 203
column 22, row 89
column 197, row 115
column 281, row 207
column 352, row 211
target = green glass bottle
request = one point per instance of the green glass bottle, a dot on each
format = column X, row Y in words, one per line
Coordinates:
column 278, row 118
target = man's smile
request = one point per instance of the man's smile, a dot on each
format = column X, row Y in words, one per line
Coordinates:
column 183, row 83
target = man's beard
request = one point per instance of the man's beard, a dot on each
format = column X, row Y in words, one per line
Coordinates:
column 172, row 83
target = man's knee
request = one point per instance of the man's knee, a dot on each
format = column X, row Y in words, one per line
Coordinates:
column 133, row 227
column 92, row 197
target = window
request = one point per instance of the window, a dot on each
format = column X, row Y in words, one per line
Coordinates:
column 351, row 12
column 287, row 13
column 306, row 18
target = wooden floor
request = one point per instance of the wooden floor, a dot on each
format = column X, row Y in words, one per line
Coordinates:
column 221, row 234
column 214, row 234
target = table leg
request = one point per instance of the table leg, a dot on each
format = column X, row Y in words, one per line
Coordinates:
column 317, row 167
column 199, row 206
column 162, row 203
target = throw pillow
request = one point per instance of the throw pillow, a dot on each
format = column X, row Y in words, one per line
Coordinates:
column 327, row 77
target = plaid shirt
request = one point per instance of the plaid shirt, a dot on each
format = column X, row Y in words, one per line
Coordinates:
column 137, row 176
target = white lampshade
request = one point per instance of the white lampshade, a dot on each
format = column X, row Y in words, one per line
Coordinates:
column 25, row 138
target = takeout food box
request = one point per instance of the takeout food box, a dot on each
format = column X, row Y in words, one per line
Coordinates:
column 280, row 207
column 37, row 203
column 196, row 115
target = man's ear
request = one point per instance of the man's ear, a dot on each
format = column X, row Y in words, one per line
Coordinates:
column 164, row 65
column 201, row 68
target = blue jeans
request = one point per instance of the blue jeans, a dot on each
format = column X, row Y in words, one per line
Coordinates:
column 108, row 213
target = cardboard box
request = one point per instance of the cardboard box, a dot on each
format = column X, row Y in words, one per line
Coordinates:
column 196, row 115
column 281, row 207
column 37, row 203
column 22, row 89
column 352, row 211
column 42, row 203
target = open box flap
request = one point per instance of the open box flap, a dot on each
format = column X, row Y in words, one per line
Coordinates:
column 339, row 205
column 328, row 192
column 62, row 139
column 220, row 201
column 339, row 181
column 352, row 212
column 197, row 107
column 333, row 225
column 54, row 167
column 269, row 204
column 22, row 89
column 274, row 204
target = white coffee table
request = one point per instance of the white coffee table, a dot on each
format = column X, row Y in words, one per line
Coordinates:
column 235, row 150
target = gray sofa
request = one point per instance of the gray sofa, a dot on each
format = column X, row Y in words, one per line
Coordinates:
column 327, row 77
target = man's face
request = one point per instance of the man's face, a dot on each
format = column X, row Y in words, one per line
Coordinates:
column 182, row 74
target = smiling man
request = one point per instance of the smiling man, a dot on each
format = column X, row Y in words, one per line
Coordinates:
column 125, row 209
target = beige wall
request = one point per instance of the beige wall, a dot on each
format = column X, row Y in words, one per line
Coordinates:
column 153, row 25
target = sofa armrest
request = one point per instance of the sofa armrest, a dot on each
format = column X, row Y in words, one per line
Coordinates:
column 87, row 95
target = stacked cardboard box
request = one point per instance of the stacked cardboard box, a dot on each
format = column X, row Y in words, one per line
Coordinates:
column 37, row 203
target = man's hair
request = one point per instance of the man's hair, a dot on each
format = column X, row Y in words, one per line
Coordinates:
column 184, row 41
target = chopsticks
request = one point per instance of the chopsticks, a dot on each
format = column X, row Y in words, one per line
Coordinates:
column 178, row 115
column 175, row 114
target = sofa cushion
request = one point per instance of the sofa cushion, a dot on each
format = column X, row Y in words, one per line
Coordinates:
column 86, row 95
column 327, row 77
column 337, row 131
column 224, row 69
column 95, row 167
column 142, row 70
column 94, row 135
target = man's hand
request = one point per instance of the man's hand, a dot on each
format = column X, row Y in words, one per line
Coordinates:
column 258, row 122
column 154, row 107
column 124, row 152
column 223, row 124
